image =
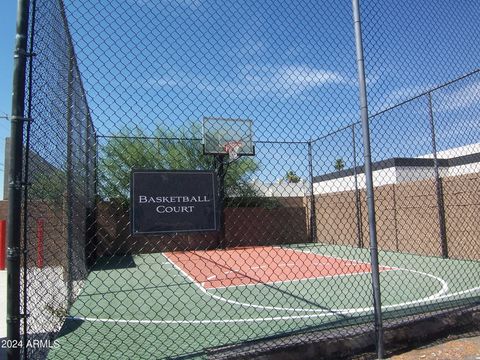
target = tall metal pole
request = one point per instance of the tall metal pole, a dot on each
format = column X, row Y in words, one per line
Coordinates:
column 220, row 169
column 438, row 182
column 313, row 221
column 92, row 213
column 15, row 179
column 26, row 174
column 70, row 173
column 358, row 207
column 70, row 196
column 369, row 179
column 89, row 196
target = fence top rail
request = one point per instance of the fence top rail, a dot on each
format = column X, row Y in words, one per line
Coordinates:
column 192, row 139
column 429, row 91
column 351, row 125
column 441, row 86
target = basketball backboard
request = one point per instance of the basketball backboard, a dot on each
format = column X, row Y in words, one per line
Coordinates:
column 222, row 135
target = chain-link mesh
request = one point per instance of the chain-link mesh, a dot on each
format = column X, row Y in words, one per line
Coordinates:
column 422, row 67
column 290, row 261
column 60, row 178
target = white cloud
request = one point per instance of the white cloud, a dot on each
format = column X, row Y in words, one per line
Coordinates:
column 254, row 81
column 464, row 97
column 301, row 77
column 459, row 99
column 398, row 95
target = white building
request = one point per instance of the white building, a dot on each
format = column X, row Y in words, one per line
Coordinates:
column 282, row 188
column 453, row 162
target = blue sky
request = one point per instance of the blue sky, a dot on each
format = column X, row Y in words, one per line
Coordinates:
column 193, row 58
column 279, row 63
column 288, row 66
column 7, row 42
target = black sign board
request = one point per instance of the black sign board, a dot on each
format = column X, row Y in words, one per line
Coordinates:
column 173, row 201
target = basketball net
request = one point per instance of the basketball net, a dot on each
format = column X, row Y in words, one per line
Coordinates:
column 232, row 148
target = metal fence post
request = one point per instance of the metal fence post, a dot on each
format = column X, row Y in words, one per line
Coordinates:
column 69, row 192
column 26, row 179
column 95, row 167
column 69, row 157
column 438, row 182
column 90, row 191
column 15, row 179
column 221, row 172
column 369, row 180
column 358, row 208
column 313, row 224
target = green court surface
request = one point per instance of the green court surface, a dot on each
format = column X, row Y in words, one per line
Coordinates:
column 146, row 306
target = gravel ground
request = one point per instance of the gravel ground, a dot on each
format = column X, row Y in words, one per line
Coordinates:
column 461, row 349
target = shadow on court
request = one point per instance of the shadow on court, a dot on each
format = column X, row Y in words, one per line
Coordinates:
column 271, row 286
column 114, row 262
column 69, row 326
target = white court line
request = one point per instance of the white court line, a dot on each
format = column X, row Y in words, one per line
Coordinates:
column 318, row 313
column 443, row 290
column 208, row 321
column 348, row 261
column 289, row 264
column 295, row 280
column 185, row 274
column 250, row 320
column 322, row 313
column 326, row 256
column 259, row 267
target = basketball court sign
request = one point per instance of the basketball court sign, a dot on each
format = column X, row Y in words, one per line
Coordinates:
column 173, row 201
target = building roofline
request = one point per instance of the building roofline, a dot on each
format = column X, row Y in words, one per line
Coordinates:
column 401, row 162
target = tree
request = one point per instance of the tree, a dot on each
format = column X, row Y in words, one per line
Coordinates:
column 339, row 164
column 163, row 150
column 292, row 178
column 51, row 186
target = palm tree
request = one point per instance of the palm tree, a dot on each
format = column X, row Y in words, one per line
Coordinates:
column 339, row 164
column 291, row 177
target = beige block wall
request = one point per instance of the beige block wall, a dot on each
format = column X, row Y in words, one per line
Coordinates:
column 418, row 228
column 336, row 218
column 407, row 217
column 54, row 232
column 243, row 227
column 406, row 214
column 462, row 206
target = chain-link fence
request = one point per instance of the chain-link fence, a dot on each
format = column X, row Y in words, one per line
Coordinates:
column 124, row 88
column 59, row 181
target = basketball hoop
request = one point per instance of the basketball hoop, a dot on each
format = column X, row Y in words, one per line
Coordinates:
column 226, row 136
column 232, row 148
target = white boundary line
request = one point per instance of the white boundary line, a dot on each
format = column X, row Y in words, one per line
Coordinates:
column 328, row 256
column 443, row 290
column 318, row 313
column 294, row 280
column 250, row 320
column 386, row 268
column 185, row 274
